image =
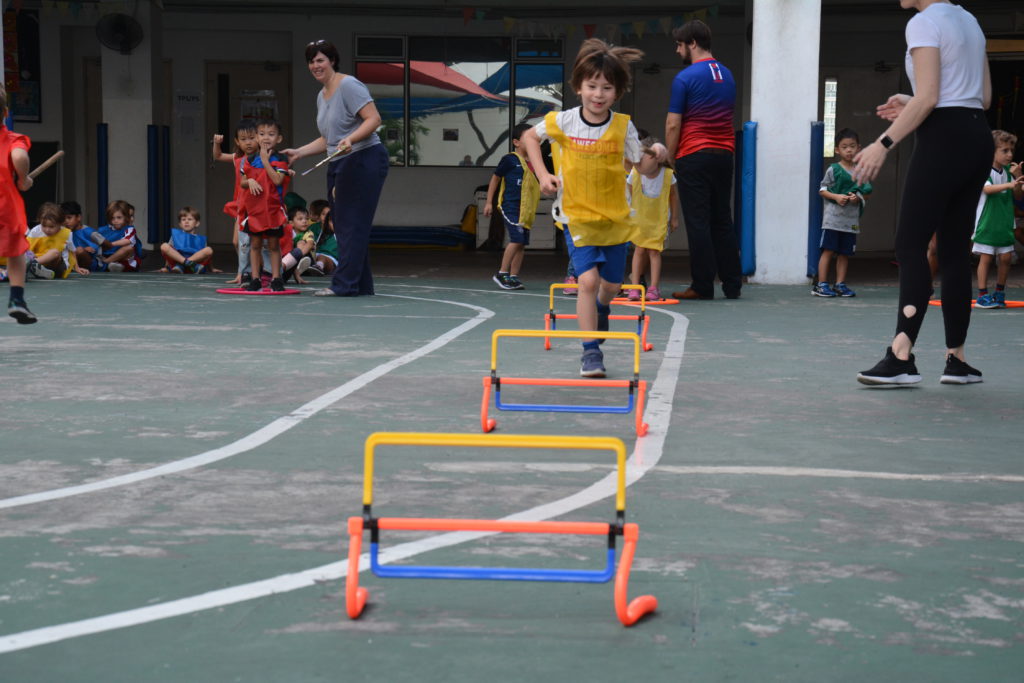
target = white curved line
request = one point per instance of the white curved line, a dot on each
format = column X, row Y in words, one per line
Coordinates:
column 645, row 455
column 270, row 431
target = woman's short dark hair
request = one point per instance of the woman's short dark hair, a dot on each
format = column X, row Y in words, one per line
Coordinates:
column 323, row 46
column 693, row 30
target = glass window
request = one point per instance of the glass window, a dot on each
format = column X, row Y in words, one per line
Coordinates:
column 829, row 115
column 538, row 91
column 386, row 83
column 529, row 47
column 379, row 47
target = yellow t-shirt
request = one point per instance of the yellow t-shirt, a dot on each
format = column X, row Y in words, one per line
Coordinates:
column 44, row 243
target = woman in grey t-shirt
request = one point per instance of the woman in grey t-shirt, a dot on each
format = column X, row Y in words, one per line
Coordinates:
column 348, row 120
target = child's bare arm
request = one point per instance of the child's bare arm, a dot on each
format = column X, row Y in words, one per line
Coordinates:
column 218, row 153
column 19, row 156
column 276, row 176
column 491, row 189
column 548, row 183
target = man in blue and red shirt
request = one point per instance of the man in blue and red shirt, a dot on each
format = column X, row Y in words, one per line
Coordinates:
column 699, row 130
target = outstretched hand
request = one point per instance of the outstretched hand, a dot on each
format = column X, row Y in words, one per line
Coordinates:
column 868, row 163
column 892, row 107
column 292, row 154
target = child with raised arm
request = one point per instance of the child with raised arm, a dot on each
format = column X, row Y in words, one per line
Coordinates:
column 993, row 234
column 597, row 147
column 52, row 244
column 656, row 210
column 844, row 204
column 14, row 164
column 245, row 145
column 264, row 183
column 517, row 201
column 187, row 250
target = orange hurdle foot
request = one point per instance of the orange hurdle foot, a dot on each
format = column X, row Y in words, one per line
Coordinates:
column 355, row 596
column 630, row 611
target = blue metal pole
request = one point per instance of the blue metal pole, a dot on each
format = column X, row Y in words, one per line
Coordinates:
column 748, row 252
column 152, row 185
column 165, row 171
column 815, row 206
column 102, row 171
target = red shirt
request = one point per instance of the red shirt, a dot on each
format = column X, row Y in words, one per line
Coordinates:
column 13, row 222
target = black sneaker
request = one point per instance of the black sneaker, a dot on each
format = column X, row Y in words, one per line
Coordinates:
column 277, row 285
column 254, row 285
column 17, row 309
column 959, row 372
column 891, row 372
column 502, row 280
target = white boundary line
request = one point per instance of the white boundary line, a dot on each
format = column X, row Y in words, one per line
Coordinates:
column 646, row 454
column 270, row 431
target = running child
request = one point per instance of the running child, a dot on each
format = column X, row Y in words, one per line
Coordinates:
column 993, row 234
column 597, row 147
column 264, row 184
column 844, row 204
column 187, row 250
column 656, row 211
column 52, row 245
column 518, row 197
column 245, row 145
column 14, row 164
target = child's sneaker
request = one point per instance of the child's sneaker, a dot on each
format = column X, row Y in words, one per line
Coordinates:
column 199, row 269
column 277, row 285
column 515, row 282
column 115, row 267
column 842, row 290
column 315, row 269
column 176, row 268
column 633, row 295
column 254, row 285
column 823, row 289
column 959, row 372
column 570, row 291
column 501, row 279
column 17, row 309
column 1000, row 299
column 38, row 270
column 891, row 372
column 986, row 300
column 592, row 363
column 654, row 294
column 303, row 265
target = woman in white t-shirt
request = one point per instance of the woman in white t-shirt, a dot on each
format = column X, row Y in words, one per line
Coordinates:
column 948, row 71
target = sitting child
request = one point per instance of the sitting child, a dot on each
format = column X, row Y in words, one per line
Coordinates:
column 298, row 259
column 187, row 251
column 318, row 210
column 326, row 244
column 88, row 241
column 120, row 233
column 51, row 245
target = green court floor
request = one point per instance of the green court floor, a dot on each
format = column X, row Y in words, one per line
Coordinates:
column 177, row 468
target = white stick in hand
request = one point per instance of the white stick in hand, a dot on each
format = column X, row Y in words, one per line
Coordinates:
column 46, row 164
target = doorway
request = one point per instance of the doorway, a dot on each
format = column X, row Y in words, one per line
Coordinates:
column 237, row 90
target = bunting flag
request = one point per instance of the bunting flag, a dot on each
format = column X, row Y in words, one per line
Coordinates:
column 588, row 30
column 510, row 23
column 638, row 28
column 467, row 15
column 480, row 14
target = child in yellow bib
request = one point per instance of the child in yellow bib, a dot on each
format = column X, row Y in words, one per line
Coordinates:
column 52, row 246
column 596, row 149
column 518, row 197
column 656, row 212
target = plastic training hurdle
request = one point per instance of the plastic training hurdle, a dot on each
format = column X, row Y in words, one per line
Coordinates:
column 637, row 387
column 643, row 321
column 628, row 612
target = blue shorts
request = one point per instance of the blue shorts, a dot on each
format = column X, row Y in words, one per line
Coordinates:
column 517, row 234
column 844, row 243
column 610, row 260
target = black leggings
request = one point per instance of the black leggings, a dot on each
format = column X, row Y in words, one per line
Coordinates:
column 952, row 155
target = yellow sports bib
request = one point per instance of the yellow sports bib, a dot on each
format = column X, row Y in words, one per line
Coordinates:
column 44, row 243
column 593, row 184
column 651, row 213
column 529, row 195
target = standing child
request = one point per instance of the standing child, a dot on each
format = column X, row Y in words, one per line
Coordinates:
column 264, row 183
column 517, row 201
column 844, row 204
column 993, row 234
column 245, row 145
column 14, row 165
column 52, row 244
column 596, row 147
column 656, row 211
column 187, row 251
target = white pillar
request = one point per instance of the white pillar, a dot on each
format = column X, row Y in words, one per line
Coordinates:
column 131, row 85
column 784, row 102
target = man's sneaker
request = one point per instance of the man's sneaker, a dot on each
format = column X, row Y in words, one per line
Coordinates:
column 986, row 301
column 654, row 294
column 115, row 267
column 17, row 309
column 303, row 265
column 633, row 295
column 592, row 363
column 842, row 290
column 39, row 270
column 501, row 279
column 959, row 372
column 514, row 281
column 570, row 291
column 277, row 285
column 254, row 285
column 1000, row 299
column 823, row 289
column 176, row 268
column 891, row 372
